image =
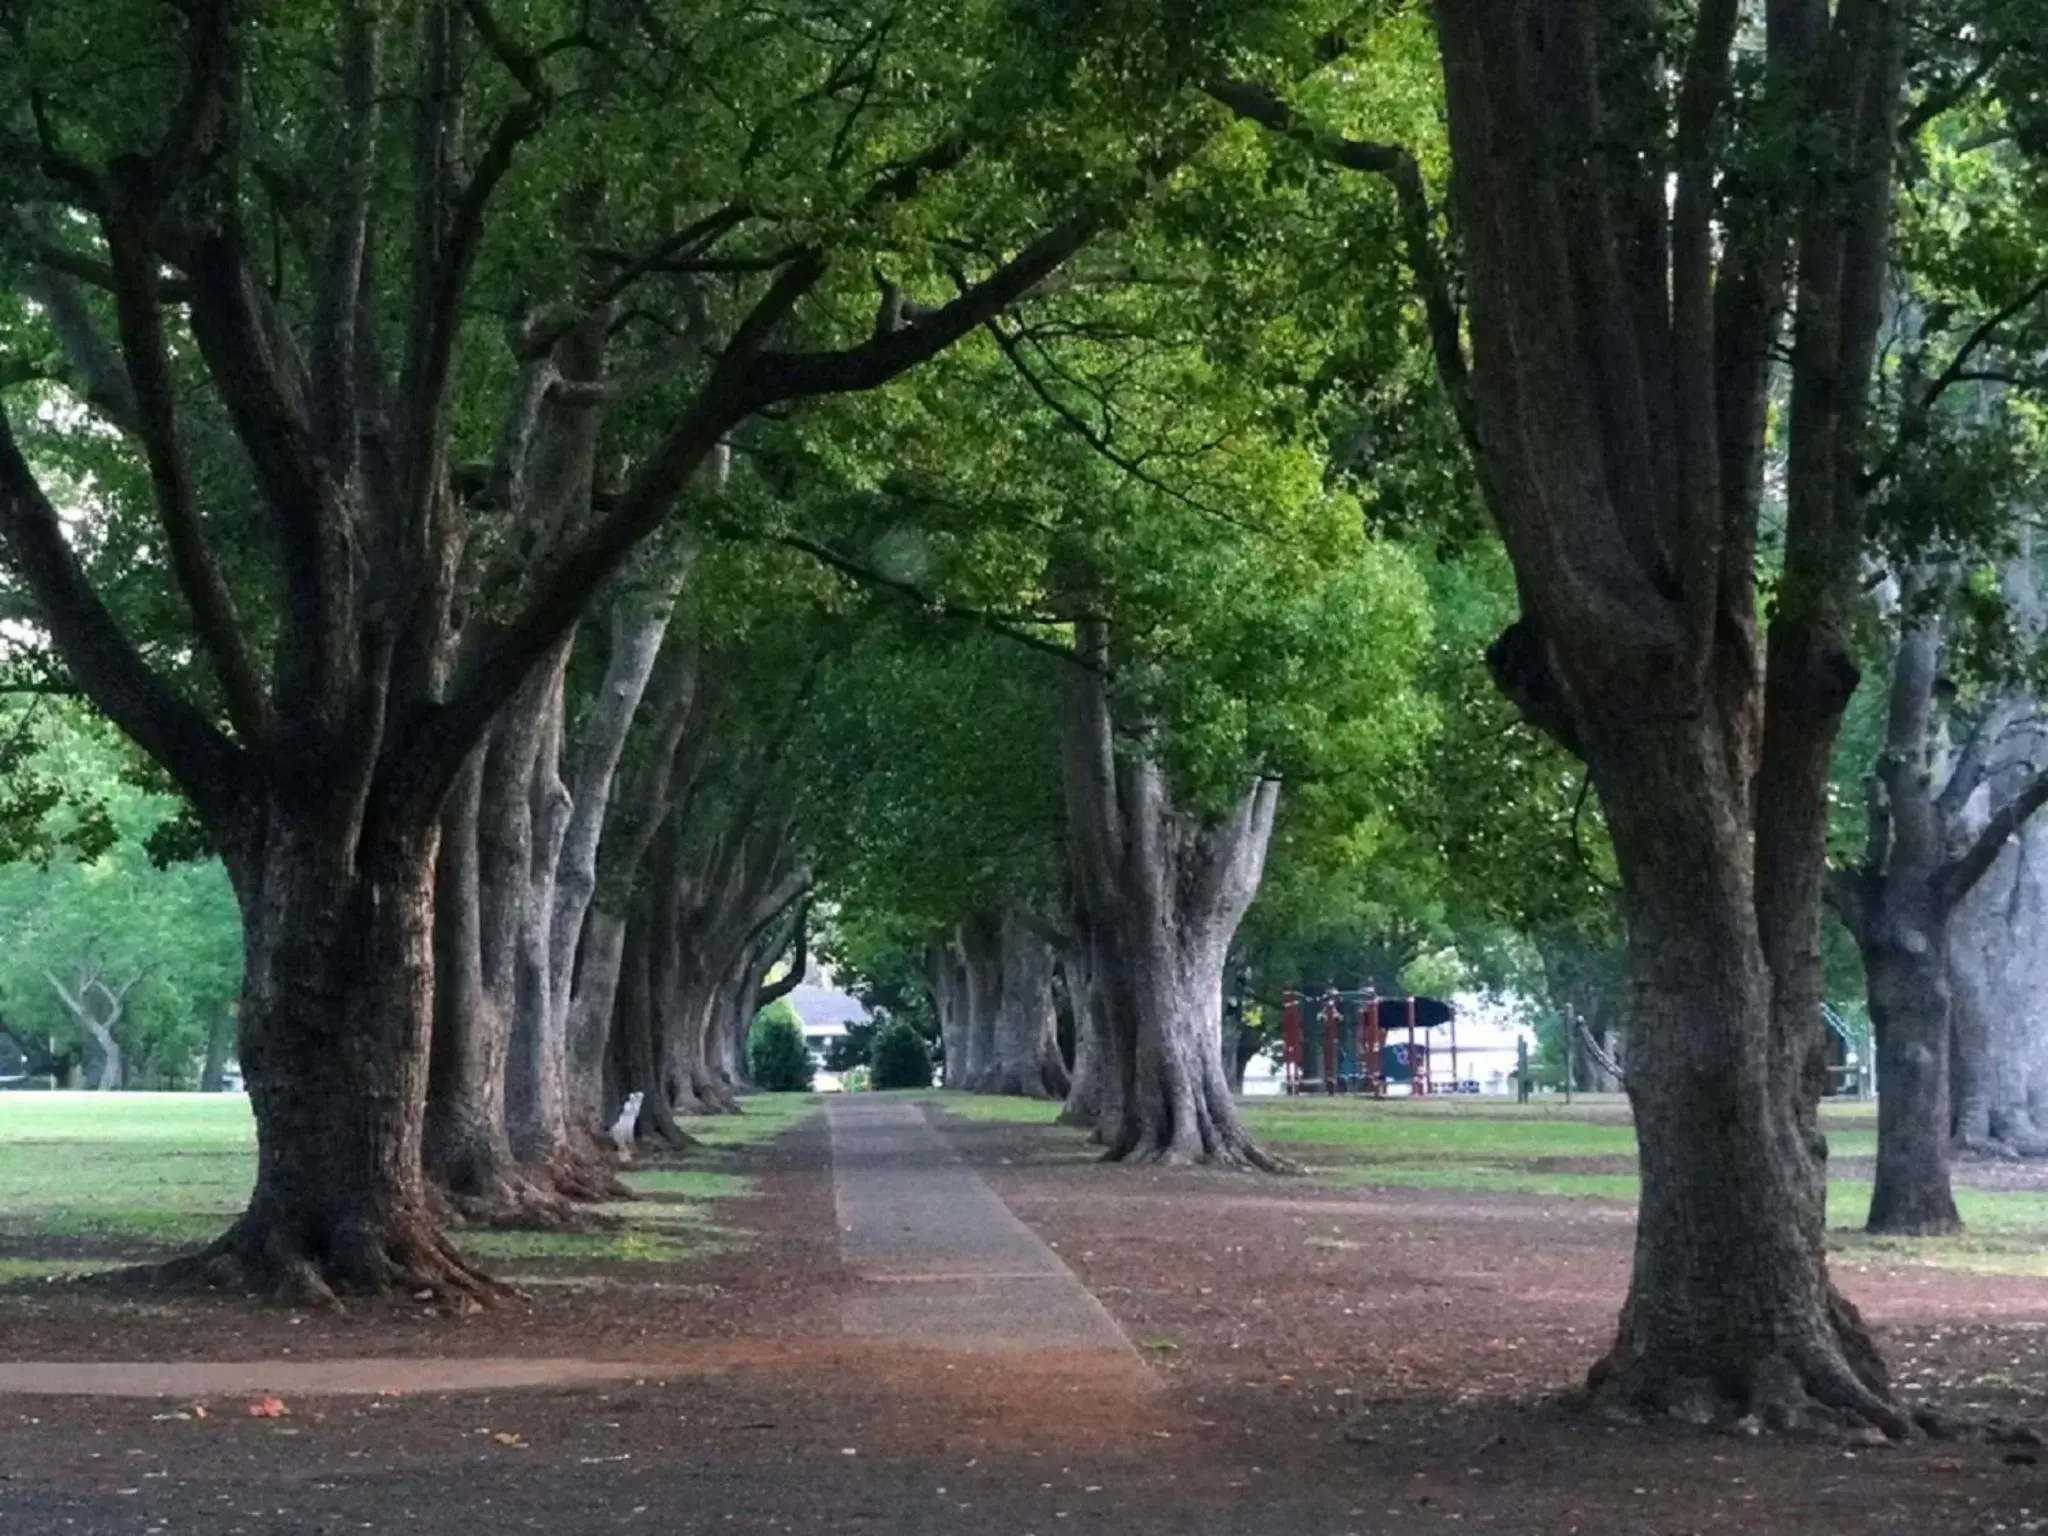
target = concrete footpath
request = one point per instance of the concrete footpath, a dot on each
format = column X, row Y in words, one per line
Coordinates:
column 934, row 1257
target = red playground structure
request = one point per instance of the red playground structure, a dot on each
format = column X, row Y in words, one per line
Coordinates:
column 1363, row 1043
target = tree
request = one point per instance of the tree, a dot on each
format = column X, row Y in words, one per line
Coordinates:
column 899, row 1059
column 776, row 1051
column 332, row 334
column 1634, row 211
column 1920, row 863
column 125, row 967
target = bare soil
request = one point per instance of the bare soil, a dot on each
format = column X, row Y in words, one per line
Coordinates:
column 1327, row 1362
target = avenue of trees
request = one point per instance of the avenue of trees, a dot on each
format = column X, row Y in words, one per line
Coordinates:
column 522, row 524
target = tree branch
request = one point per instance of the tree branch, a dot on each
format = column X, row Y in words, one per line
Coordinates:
column 1843, row 891
column 268, row 409
column 929, row 603
column 139, row 317
column 1958, row 875
column 749, row 378
column 797, row 945
column 776, row 377
column 162, row 722
column 1919, row 416
column 95, row 370
column 1394, row 164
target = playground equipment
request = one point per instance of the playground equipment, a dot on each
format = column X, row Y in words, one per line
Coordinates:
column 1354, row 1048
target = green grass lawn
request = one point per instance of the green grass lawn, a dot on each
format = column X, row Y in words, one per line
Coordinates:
column 1497, row 1146
column 88, row 1180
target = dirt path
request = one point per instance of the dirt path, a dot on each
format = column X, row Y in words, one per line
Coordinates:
column 1327, row 1365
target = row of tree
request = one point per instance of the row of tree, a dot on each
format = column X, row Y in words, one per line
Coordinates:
column 452, row 443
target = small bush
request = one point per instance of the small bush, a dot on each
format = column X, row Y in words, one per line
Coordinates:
column 777, row 1055
column 898, row 1059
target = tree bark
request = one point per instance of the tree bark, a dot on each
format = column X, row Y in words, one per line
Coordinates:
column 593, row 1000
column 1089, row 1085
column 979, row 943
column 635, row 1040
column 1730, row 1298
column 1163, row 894
column 1897, row 906
column 536, row 1061
column 948, row 980
column 467, row 1153
column 335, row 1013
column 492, row 842
column 1025, row 1057
column 220, row 1034
column 569, row 1007
column 1998, row 971
column 1907, row 976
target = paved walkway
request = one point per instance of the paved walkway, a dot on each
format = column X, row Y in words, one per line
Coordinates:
column 306, row 1378
column 934, row 1257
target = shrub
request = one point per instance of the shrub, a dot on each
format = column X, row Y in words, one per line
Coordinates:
column 898, row 1058
column 777, row 1055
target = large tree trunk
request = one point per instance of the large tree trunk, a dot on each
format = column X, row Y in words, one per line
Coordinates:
column 1622, row 318
column 220, row 1034
column 592, row 1002
column 1088, row 1089
column 684, row 980
column 1998, row 934
column 536, row 1061
column 980, row 946
column 624, row 913
column 556, row 1117
column 336, row 1009
column 1025, row 1056
column 1897, row 905
column 1998, row 970
column 485, row 911
column 1164, row 894
column 1909, row 1010
column 466, row 1150
column 948, row 980
column 635, row 1040
column 1730, row 1299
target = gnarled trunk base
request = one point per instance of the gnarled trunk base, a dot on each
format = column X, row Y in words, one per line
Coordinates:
column 1822, row 1373
column 283, row 1256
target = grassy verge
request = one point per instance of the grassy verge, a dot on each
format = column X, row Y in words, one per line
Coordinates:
column 91, row 1180
column 1573, row 1152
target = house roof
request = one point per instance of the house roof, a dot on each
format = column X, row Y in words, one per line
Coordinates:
column 822, row 1007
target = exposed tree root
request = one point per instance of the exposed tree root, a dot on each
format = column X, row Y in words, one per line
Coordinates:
column 287, row 1262
column 1023, row 1080
column 1236, row 1153
column 657, row 1123
column 1987, row 1148
column 1087, row 1116
column 2015, row 1138
column 699, row 1093
column 525, row 1205
column 520, row 1199
column 589, row 1179
column 1925, row 1224
column 1829, row 1383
